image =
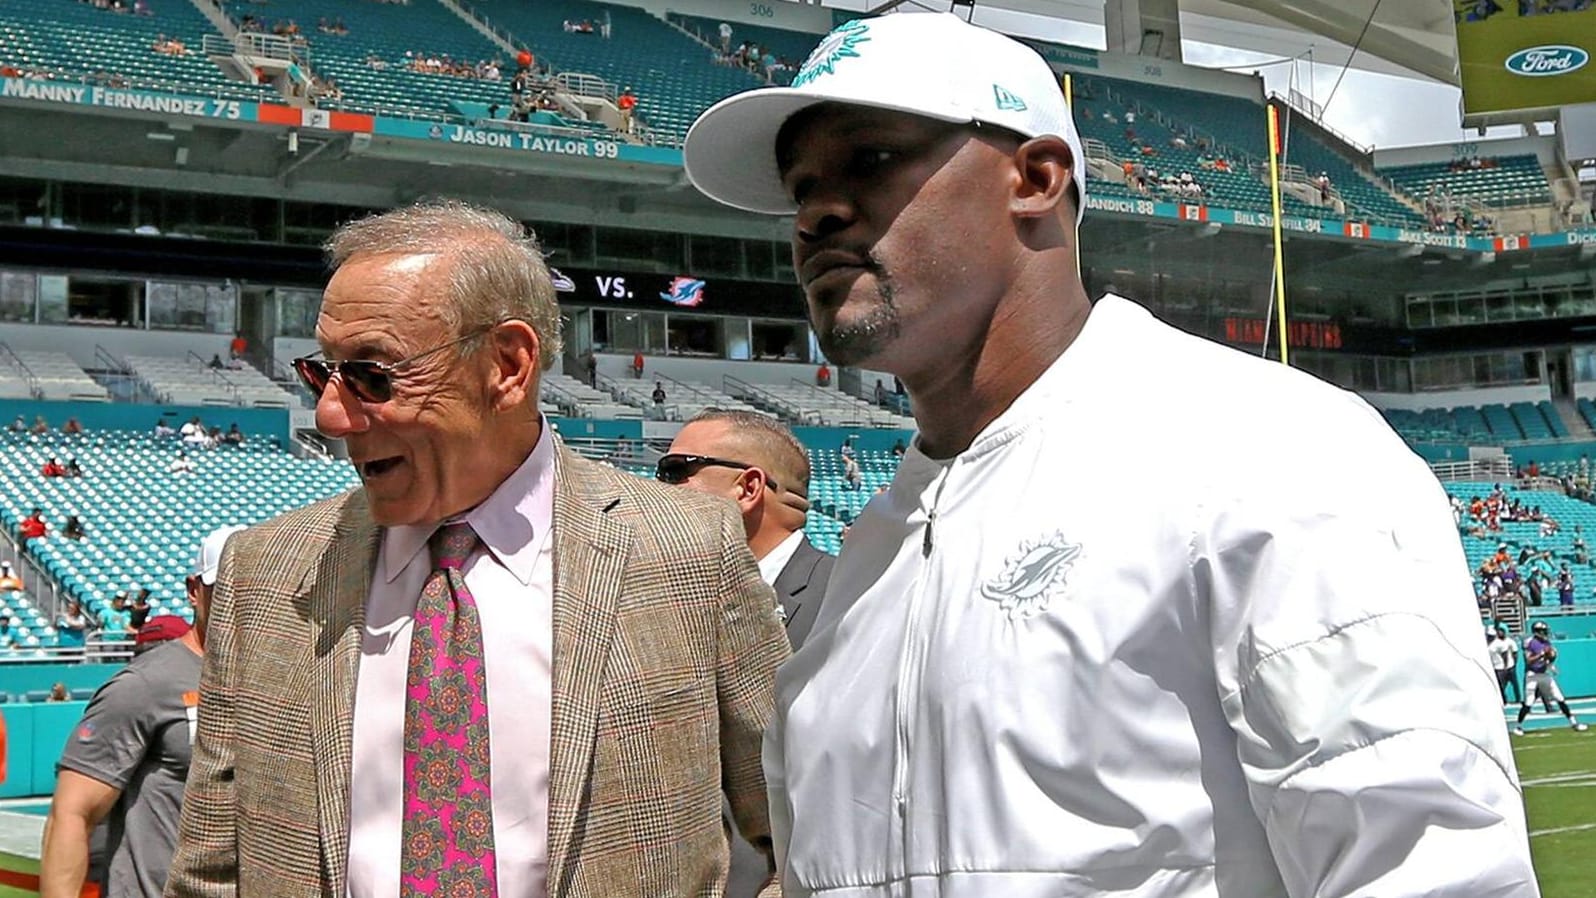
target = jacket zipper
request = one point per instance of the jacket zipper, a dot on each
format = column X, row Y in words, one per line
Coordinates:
column 911, row 663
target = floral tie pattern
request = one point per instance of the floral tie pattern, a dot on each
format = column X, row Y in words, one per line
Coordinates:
column 448, row 811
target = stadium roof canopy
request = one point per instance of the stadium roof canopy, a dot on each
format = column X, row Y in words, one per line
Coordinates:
column 1405, row 37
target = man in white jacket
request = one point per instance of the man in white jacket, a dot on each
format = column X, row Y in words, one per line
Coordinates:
column 1249, row 667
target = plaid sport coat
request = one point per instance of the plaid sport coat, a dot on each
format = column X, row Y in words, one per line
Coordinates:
column 666, row 644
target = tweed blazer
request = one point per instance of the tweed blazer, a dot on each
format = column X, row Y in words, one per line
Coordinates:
column 666, row 644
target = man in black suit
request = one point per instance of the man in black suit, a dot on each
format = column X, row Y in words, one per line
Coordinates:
column 755, row 461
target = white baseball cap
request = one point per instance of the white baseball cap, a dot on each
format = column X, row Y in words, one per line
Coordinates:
column 930, row 64
column 210, row 553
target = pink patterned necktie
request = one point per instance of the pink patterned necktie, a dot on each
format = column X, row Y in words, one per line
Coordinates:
column 447, row 845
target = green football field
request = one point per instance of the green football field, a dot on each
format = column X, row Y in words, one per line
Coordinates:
column 1558, row 770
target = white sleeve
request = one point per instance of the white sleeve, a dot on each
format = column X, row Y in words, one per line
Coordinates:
column 1364, row 704
column 773, row 758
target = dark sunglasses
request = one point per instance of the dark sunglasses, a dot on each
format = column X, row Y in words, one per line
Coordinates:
column 677, row 467
column 370, row 381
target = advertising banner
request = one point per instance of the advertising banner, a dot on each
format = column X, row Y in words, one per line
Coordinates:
column 1525, row 54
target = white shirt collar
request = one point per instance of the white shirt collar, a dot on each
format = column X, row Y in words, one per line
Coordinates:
column 512, row 522
column 771, row 565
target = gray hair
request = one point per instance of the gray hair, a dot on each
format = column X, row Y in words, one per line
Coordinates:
column 764, row 441
column 496, row 268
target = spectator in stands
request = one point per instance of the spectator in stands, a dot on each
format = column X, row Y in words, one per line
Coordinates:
column 659, row 394
column 162, row 429
column 590, row 364
column 73, row 469
column 72, row 628
column 755, row 461
column 59, row 693
column 239, row 346
column 72, row 426
column 898, row 448
column 1540, row 677
column 52, row 468
column 234, row 436
column 18, row 426
column 444, row 432
column 1581, row 552
column 1323, row 183
column 1565, row 586
column 9, row 581
column 823, row 375
column 626, row 103
column 130, row 759
column 851, row 472
column 73, row 528
column 40, row 426
column 881, row 392
column 216, row 361
column 139, row 609
column 637, row 365
column 725, row 39
column 181, row 465
column 33, row 526
column 115, row 619
column 1257, row 750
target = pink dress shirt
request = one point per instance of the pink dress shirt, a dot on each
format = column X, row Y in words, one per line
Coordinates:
column 512, row 578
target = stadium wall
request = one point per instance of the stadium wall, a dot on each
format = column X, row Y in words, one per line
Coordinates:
column 80, row 341
column 814, row 20
column 270, row 423
column 1418, row 402
column 1542, row 148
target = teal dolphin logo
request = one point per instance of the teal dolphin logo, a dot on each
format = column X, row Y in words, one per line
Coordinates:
column 837, row 46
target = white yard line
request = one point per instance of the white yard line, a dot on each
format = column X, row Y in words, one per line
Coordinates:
column 1562, row 829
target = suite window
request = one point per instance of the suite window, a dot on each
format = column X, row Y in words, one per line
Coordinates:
column 778, row 340
column 696, row 336
column 630, row 331
column 211, row 308
column 19, row 292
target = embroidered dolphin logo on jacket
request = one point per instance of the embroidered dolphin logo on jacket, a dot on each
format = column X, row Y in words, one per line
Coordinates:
column 1032, row 575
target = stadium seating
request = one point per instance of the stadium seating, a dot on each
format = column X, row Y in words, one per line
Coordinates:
column 1509, row 181
column 390, row 32
column 1162, row 114
column 189, row 381
column 30, row 630
column 1489, row 424
column 1517, row 535
column 144, row 524
column 791, row 46
column 75, row 38
column 674, row 77
column 41, row 374
column 1365, row 197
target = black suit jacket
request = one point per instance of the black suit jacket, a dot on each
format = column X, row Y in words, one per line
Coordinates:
column 799, row 588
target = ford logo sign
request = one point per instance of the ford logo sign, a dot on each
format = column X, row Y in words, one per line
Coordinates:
column 1540, row 62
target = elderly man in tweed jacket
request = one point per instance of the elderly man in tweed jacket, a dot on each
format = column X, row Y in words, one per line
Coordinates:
column 495, row 668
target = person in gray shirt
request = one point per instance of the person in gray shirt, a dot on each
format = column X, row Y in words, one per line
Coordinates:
column 128, row 760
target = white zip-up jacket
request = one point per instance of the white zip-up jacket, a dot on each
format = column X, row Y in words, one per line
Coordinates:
column 1180, row 622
